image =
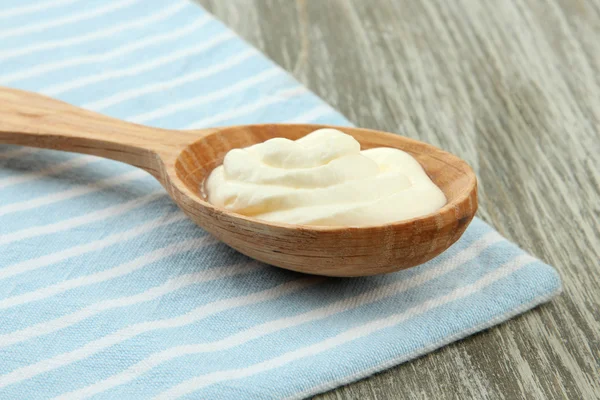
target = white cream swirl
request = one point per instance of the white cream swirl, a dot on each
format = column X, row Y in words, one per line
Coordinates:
column 323, row 179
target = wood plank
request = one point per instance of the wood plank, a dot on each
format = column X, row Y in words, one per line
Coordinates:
column 513, row 87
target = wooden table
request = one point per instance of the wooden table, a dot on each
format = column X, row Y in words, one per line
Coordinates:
column 513, row 87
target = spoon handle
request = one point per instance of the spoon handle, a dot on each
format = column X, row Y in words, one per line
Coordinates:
column 30, row 119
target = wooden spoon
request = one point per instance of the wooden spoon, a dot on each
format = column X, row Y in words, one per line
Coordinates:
column 181, row 160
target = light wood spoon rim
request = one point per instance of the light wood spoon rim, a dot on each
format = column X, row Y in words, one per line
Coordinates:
column 448, row 206
column 34, row 120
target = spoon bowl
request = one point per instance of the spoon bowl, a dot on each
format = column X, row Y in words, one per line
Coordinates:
column 182, row 160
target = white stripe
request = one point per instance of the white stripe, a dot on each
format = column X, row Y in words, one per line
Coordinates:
column 21, row 151
column 56, row 44
column 98, row 215
column 312, row 114
column 120, row 270
column 52, row 170
column 57, row 89
column 32, row 8
column 424, row 350
column 172, row 285
column 70, row 193
column 131, row 331
column 199, row 382
column 278, row 97
column 40, row 27
column 368, row 297
column 53, row 258
column 147, row 41
column 167, row 85
column 205, row 98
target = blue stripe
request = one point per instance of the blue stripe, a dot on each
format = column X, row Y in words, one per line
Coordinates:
column 405, row 338
column 96, row 260
column 100, row 170
column 77, row 206
column 33, row 28
column 91, row 232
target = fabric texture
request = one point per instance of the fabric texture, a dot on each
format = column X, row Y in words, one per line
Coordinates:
column 107, row 290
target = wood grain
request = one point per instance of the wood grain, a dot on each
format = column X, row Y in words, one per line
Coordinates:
column 322, row 250
column 513, row 87
column 182, row 161
column 31, row 119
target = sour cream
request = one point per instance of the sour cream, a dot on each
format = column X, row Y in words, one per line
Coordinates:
column 323, row 179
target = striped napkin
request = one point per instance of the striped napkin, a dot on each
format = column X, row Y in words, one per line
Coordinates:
column 107, row 290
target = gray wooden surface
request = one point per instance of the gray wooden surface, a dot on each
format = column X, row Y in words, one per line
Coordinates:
column 512, row 86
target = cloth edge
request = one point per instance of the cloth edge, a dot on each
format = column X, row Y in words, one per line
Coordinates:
column 542, row 299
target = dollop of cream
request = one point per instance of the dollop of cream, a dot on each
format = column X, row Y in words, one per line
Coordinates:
column 323, row 179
